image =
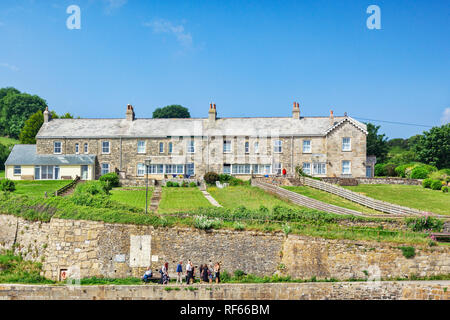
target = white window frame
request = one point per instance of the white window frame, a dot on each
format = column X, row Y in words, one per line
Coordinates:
column 256, row 146
column 102, row 168
column 86, row 148
column 55, row 147
column 241, row 169
column 191, row 146
column 306, row 167
column 106, row 145
column 319, row 168
column 349, row 166
column 346, row 146
column 17, row 171
column 53, row 172
column 227, row 143
column 228, row 170
column 188, row 170
column 278, row 146
column 277, row 167
column 141, row 146
column 261, row 169
column 161, row 147
column 77, row 148
column 140, row 169
column 307, row 148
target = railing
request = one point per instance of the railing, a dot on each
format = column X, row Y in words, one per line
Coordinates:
column 375, row 204
column 67, row 186
column 303, row 200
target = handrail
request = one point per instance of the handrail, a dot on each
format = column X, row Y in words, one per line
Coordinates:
column 67, row 186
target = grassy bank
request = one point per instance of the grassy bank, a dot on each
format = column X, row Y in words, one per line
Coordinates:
column 133, row 196
column 182, row 199
column 408, row 196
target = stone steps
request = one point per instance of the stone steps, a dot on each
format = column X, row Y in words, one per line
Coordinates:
column 156, row 198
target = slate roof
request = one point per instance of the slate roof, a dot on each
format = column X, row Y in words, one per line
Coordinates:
column 152, row 128
column 25, row 154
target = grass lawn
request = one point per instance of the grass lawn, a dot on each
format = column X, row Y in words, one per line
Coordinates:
column 182, row 199
column 331, row 199
column 2, row 174
column 248, row 196
column 408, row 196
column 133, row 196
column 39, row 187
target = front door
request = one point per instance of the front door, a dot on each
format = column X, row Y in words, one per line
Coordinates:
column 369, row 172
column 84, row 172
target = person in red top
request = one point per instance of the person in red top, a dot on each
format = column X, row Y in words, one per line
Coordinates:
column 284, row 172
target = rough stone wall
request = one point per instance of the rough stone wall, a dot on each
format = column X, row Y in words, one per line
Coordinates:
column 401, row 290
column 412, row 182
column 103, row 249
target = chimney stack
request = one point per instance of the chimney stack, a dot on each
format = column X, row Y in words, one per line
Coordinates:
column 47, row 115
column 296, row 111
column 212, row 114
column 331, row 118
column 130, row 113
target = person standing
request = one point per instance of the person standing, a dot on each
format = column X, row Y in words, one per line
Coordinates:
column 205, row 273
column 179, row 272
column 188, row 271
column 165, row 273
column 217, row 272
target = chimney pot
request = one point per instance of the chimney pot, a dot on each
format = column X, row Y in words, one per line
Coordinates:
column 212, row 114
column 296, row 111
column 47, row 115
column 130, row 113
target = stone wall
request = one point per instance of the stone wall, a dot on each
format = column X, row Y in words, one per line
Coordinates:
column 401, row 290
column 386, row 180
column 118, row 250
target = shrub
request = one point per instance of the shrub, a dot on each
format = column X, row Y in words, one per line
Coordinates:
column 424, row 223
column 192, row 185
column 169, row 184
column 419, row 173
column 238, row 226
column 211, row 177
column 287, row 229
column 225, row 178
column 443, row 174
column 436, row 185
column 401, row 170
column 202, row 222
column 185, row 184
column 175, row 184
column 237, row 182
column 379, row 170
column 408, row 252
column 426, row 183
column 7, row 185
column 390, row 169
column 112, row 178
column 92, row 187
column 445, row 189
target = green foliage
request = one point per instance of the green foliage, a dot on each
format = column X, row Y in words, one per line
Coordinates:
column 376, row 143
column 436, row 185
column 31, row 128
column 225, row 178
column 434, row 146
column 445, row 189
column 385, row 170
column 238, row 226
column 14, row 269
column 15, row 109
column 418, row 224
column 172, row 111
column 390, row 169
column 193, row 184
column 92, row 188
column 408, row 252
column 426, row 183
column 4, row 153
column 211, row 178
column 112, row 179
column 110, row 281
column 287, row 229
column 171, row 184
column 7, row 185
column 379, row 170
column 204, row 223
column 419, row 173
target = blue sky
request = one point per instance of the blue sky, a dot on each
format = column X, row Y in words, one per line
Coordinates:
column 252, row 58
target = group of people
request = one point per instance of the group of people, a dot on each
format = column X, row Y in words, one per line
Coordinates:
column 207, row 274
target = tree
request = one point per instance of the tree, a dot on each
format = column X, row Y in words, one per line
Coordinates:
column 4, row 153
column 434, row 147
column 34, row 123
column 376, row 143
column 172, row 111
column 15, row 109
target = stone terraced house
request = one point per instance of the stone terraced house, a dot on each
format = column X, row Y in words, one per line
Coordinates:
column 331, row 146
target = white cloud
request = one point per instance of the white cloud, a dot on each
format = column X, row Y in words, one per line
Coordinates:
column 114, row 4
column 445, row 116
column 165, row 26
column 9, row 66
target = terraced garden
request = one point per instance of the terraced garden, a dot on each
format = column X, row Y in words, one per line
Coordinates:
column 331, row 199
column 247, row 196
column 409, row 196
column 133, row 196
column 39, row 187
column 182, row 200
